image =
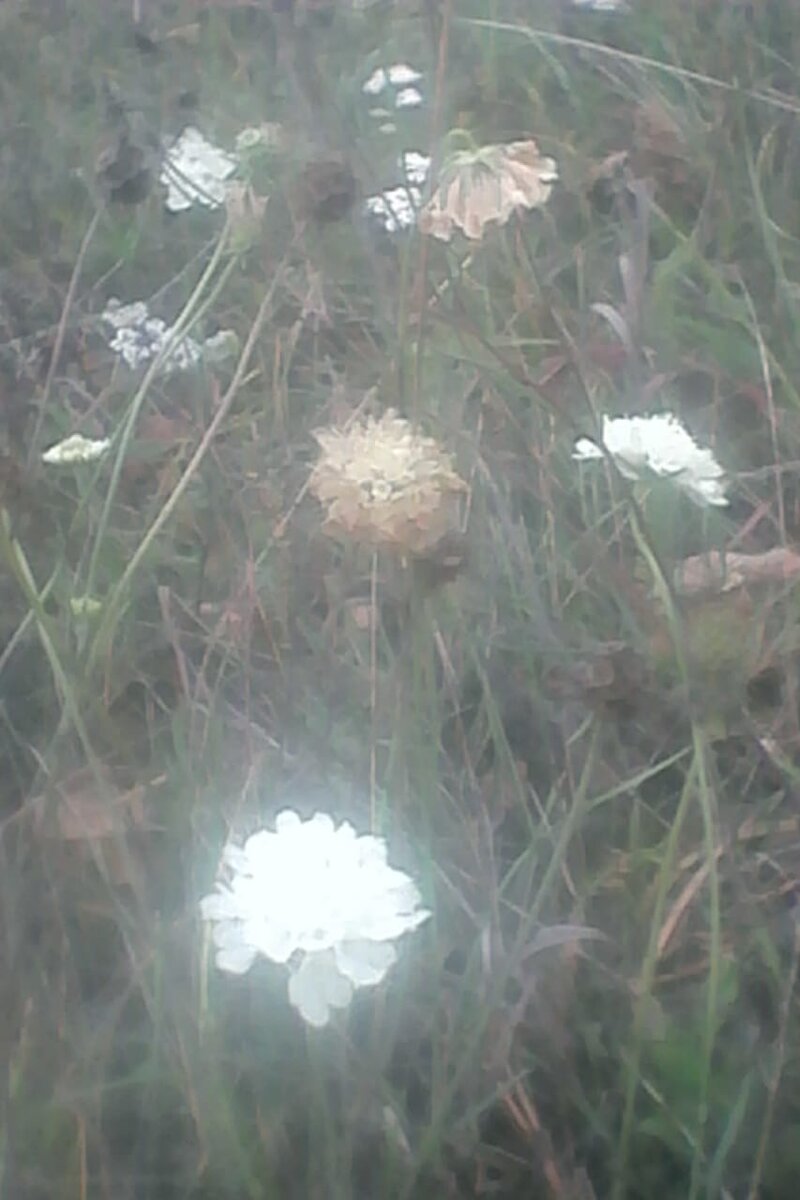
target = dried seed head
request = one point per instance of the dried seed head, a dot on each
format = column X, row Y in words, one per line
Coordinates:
column 383, row 483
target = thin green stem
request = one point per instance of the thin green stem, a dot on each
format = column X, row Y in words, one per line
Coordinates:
column 190, row 314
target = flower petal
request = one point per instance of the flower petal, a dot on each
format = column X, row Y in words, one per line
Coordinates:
column 365, row 963
column 317, row 986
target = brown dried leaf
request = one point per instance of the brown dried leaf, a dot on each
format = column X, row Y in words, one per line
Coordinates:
column 716, row 572
column 88, row 808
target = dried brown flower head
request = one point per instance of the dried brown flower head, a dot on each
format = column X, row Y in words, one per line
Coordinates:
column 385, row 484
column 325, row 190
column 477, row 187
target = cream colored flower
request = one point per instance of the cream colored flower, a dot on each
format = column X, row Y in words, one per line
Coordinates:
column 319, row 899
column 76, row 449
column 659, row 445
column 383, row 483
column 477, row 187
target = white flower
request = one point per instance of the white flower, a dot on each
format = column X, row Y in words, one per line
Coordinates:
column 138, row 337
column 195, row 172
column 396, row 208
column 376, row 82
column 317, row 898
column 662, row 445
column 415, row 166
column 409, row 97
column 122, row 316
column 76, row 449
column 399, row 80
column 399, row 75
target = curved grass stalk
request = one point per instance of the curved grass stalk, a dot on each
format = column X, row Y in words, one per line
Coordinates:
column 474, row 1035
column 116, row 597
column 17, row 563
column 190, row 314
column 773, row 100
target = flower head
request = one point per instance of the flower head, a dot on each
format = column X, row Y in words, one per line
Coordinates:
column 396, row 87
column 384, row 483
column 395, row 208
column 317, row 898
column 138, row 337
column 662, row 445
column 399, row 75
column 76, row 449
column 477, row 187
column 409, row 97
column 415, row 166
column 195, row 172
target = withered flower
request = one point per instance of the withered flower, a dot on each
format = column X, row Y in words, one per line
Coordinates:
column 384, row 483
column 477, row 187
column 325, row 190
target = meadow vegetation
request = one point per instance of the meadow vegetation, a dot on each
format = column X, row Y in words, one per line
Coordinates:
column 573, row 713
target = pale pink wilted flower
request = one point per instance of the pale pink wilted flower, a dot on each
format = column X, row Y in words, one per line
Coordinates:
column 484, row 186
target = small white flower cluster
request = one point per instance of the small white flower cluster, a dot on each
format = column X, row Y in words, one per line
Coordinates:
column 137, row 338
column 317, row 898
column 396, row 84
column 195, row 172
column 76, row 450
column 660, row 445
column 396, row 208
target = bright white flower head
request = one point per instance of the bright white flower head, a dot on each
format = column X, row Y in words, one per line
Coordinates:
column 399, row 75
column 195, row 172
column 319, row 899
column 409, row 97
column 415, row 166
column 396, row 87
column 662, row 445
column 396, row 208
column 76, row 449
